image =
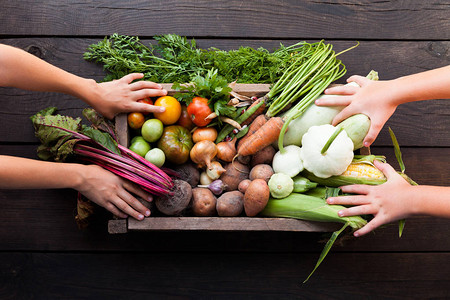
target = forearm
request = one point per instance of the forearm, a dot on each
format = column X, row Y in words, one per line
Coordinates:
column 23, row 173
column 23, row 70
column 428, row 85
column 429, row 200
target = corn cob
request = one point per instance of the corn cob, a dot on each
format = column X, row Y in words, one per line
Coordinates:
column 360, row 171
column 310, row 208
column 363, row 170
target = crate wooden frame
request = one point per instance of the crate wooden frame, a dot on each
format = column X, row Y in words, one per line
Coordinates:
column 117, row 226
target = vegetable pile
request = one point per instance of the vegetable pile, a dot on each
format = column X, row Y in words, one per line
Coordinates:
column 228, row 154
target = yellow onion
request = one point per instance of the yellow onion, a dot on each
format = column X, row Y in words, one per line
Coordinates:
column 203, row 153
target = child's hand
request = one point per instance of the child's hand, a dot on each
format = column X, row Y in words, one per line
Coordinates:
column 388, row 202
column 122, row 95
column 112, row 192
column 372, row 98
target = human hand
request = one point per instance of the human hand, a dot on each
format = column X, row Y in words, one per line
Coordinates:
column 121, row 95
column 388, row 202
column 112, row 192
column 372, row 98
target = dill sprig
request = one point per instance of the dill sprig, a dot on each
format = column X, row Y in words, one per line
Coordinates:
column 176, row 59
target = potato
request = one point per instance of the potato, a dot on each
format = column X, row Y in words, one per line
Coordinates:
column 234, row 174
column 203, row 202
column 243, row 185
column 230, row 204
column 256, row 197
column 261, row 171
column 265, row 156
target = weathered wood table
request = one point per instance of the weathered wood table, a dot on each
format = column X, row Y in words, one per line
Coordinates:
column 43, row 255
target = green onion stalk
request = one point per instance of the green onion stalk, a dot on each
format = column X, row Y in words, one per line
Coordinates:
column 306, row 78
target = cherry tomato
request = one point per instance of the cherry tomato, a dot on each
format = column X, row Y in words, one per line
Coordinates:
column 135, row 120
column 198, row 110
column 146, row 101
column 172, row 112
column 185, row 120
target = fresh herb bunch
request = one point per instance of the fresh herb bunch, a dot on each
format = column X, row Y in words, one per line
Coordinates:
column 175, row 59
column 213, row 87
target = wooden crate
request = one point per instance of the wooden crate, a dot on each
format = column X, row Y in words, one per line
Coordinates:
column 212, row 223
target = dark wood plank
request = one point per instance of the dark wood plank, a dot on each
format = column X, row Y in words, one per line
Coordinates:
column 288, row 19
column 428, row 120
column 218, row 275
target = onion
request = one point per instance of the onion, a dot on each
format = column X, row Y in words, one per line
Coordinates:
column 204, row 179
column 204, row 133
column 203, row 152
column 215, row 171
column 226, row 150
column 217, row 187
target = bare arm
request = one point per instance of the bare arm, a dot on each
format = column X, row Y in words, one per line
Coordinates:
column 97, row 184
column 22, row 70
column 394, row 200
column 379, row 99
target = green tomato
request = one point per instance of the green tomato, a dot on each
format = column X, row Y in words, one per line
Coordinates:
column 152, row 130
column 140, row 146
column 156, row 156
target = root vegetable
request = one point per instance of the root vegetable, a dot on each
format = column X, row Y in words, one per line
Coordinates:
column 203, row 202
column 205, row 179
column 203, row 152
column 230, row 204
column 204, row 133
column 243, row 185
column 256, row 197
column 254, row 126
column 234, row 174
column 188, row 172
column 226, row 150
column 215, row 171
column 265, row 136
column 216, row 187
column 176, row 204
column 265, row 156
column 261, row 171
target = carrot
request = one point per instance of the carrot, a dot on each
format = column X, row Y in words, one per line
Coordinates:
column 254, row 126
column 259, row 111
column 263, row 137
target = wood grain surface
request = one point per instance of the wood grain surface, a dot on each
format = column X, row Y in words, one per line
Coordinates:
column 43, row 255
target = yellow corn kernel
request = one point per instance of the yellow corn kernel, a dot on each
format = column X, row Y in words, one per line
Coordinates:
column 363, row 170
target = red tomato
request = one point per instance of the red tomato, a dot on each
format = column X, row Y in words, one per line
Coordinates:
column 135, row 120
column 185, row 119
column 147, row 101
column 198, row 110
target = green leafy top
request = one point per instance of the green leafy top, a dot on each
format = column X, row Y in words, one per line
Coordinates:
column 59, row 134
column 175, row 59
column 213, row 87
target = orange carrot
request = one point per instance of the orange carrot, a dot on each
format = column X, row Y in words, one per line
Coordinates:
column 258, row 112
column 254, row 126
column 262, row 138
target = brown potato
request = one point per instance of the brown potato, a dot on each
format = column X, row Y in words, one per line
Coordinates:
column 256, row 197
column 230, row 204
column 203, row 202
column 261, row 171
column 234, row 174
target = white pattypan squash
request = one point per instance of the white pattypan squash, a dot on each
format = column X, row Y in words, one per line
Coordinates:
column 335, row 160
column 289, row 162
